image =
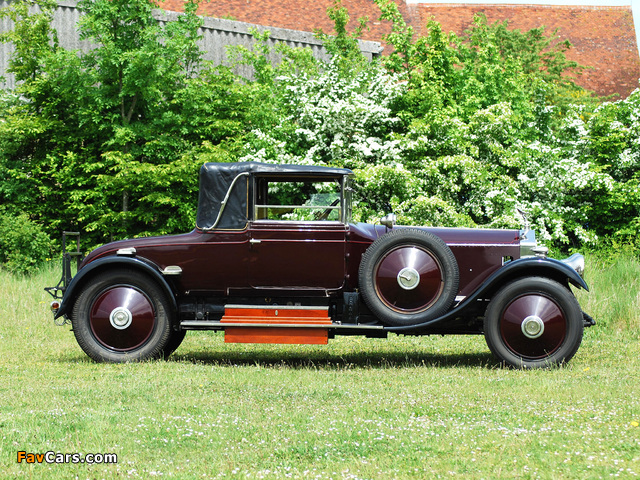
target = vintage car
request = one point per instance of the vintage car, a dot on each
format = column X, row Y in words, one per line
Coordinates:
column 274, row 258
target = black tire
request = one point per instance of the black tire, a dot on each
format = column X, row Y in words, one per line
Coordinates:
column 534, row 323
column 174, row 342
column 408, row 276
column 122, row 316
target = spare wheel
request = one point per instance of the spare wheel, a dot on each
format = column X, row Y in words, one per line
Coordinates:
column 408, row 276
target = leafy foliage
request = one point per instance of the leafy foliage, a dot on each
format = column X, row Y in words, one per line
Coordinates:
column 32, row 37
column 445, row 130
column 24, row 246
column 110, row 141
column 343, row 46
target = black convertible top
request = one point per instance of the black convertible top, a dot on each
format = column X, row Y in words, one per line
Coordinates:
column 224, row 193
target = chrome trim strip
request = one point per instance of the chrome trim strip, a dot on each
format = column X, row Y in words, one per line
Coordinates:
column 209, row 324
column 127, row 252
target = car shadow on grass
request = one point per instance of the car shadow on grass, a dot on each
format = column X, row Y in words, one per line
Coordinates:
column 327, row 360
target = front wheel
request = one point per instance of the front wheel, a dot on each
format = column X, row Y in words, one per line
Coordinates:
column 534, row 322
column 175, row 340
column 122, row 316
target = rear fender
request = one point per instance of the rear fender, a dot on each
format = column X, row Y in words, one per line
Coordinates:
column 75, row 287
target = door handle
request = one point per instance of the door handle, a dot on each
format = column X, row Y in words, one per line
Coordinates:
column 254, row 241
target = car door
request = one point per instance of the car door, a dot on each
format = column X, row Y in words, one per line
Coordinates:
column 297, row 256
column 297, row 237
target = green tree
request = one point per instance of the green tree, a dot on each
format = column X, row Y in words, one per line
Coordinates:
column 343, row 46
column 446, row 130
column 24, row 246
column 110, row 141
column 32, row 37
column 488, row 64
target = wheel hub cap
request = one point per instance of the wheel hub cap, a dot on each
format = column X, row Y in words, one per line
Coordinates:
column 408, row 278
column 120, row 318
column 532, row 326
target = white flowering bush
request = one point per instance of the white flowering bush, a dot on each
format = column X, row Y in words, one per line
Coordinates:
column 444, row 130
column 612, row 146
column 420, row 148
column 381, row 189
column 558, row 192
column 332, row 120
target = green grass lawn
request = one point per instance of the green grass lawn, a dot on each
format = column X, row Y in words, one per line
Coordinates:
column 429, row 407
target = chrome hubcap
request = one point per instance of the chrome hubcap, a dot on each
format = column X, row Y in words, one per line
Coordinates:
column 120, row 318
column 532, row 326
column 408, row 278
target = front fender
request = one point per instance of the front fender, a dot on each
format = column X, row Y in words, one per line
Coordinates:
column 537, row 266
column 529, row 267
column 75, row 287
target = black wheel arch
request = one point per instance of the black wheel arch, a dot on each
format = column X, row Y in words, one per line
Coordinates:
column 113, row 262
column 530, row 267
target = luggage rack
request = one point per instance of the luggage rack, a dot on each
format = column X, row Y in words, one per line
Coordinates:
column 57, row 292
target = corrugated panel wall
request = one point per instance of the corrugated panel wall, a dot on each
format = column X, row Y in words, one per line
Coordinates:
column 5, row 49
column 217, row 34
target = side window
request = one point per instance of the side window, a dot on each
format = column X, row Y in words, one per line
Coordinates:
column 298, row 200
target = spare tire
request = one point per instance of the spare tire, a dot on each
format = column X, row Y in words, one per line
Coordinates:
column 408, row 276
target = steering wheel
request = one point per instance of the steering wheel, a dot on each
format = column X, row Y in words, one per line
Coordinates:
column 324, row 215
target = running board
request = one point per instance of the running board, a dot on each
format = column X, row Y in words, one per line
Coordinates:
column 274, row 324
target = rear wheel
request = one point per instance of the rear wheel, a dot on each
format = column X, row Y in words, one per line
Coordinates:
column 534, row 322
column 122, row 316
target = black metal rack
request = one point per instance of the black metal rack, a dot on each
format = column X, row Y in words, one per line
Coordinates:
column 58, row 291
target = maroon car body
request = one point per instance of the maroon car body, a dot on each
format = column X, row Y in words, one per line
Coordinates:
column 275, row 258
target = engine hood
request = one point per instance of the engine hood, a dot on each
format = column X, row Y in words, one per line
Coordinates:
column 451, row 236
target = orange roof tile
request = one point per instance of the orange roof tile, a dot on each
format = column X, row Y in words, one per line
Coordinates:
column 603, row 38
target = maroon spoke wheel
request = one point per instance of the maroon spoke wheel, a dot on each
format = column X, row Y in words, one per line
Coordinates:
column 122, row 316
column 534, row 322
column 408, row 276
